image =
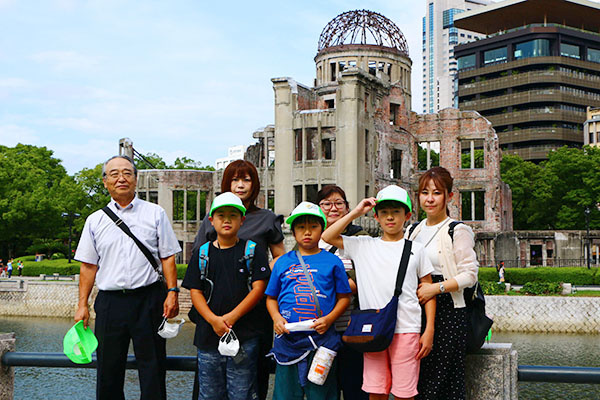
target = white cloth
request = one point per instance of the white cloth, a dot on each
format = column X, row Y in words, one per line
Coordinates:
column 376, row 262
column 457, row 257
column 121, row 264
column 432, row 251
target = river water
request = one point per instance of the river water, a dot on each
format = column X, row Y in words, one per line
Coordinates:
column 45, row 335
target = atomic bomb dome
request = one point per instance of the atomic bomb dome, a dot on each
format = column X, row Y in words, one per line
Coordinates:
column 365, row 40
column 362, row 27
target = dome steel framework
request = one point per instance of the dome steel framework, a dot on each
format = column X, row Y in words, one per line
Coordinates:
column 362, row 27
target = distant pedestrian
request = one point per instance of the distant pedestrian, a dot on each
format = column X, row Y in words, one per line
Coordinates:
column 20, row 267
column 2, row 272
column 501, row 272
column 9, row 268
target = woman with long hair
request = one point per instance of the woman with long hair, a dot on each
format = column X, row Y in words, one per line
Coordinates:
column 450, row 247
column 261, row 226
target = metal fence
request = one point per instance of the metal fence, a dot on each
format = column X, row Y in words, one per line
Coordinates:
column 525, row 263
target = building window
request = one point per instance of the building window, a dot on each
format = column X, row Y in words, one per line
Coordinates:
column 342, row 66
column 191, row 205
column 428, row 155
column 203, row 197
column 141, row 195
column 448, row 17
column 472, row 205
column 178, row 205
column 327, row 147
column 453, row 36
column 396, row 164
column 394, row 108
column 373, row 68
column 330, row 103
column 333, row 72
column 271, row 200
column 311, row 144
column 494, row 56
column 532, row 48
column 298, row 144
column 466, row 62
column 593, row 55
column 153, row 197
column 570, row 50
column 367, row 145
column 297, row 194
column 471, row 154
column 311, row 193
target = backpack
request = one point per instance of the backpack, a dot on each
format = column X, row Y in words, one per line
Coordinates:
column 246, row 260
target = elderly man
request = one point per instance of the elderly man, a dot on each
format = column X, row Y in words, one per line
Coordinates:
column 132, row 298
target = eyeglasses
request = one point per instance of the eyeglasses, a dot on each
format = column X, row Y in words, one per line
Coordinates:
column 126, row 173
column 326, row 205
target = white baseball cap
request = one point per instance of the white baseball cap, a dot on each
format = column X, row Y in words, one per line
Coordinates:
column 307, row 208
column 227, row 199
column 394, row 193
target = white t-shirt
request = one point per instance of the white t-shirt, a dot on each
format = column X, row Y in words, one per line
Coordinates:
column 376, row 262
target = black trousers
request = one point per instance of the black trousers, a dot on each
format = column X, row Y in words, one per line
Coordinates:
column 121, row 317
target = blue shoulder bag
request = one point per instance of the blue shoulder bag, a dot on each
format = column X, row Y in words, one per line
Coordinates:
column 373, row 330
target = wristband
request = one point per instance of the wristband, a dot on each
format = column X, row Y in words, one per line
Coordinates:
column 173, row 289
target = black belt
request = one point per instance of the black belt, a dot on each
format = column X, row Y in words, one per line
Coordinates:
column 134, row 291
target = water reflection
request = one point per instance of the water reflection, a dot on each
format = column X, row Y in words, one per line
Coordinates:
column 46, row 334
column 556, row 349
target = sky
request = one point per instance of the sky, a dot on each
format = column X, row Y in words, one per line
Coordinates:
column 180, row 78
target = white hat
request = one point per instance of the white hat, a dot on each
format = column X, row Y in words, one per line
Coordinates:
column 307, row 208
column 227, row 199
column 394, row 193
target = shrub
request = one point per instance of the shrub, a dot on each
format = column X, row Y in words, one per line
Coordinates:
column 521, row 276
column 542, row 288
column 26, row 258
column 493, row 287
column 50, row 267
column 181, row 268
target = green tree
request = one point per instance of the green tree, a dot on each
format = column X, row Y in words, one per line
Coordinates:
column 188, row 163
column 554, row 194
column 180, row 163
column 152, row 158
column 32, row 183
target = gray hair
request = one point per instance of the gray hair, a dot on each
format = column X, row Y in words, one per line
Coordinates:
column 123, row 157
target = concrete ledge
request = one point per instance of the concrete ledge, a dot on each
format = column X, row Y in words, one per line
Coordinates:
column 545, row 314
column 7, row 374
column 491, row 373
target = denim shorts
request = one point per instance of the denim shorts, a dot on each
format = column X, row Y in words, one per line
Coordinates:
column 221, row 377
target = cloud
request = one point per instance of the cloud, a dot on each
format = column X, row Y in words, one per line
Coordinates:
column 14, row 83
column 11, row 134
column 66, row 60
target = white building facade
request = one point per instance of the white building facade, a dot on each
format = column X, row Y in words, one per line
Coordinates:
column 439, row 38
column 233, row 153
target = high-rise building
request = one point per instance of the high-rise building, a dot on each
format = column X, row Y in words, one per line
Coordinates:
column 439, row 38
column 534, row 74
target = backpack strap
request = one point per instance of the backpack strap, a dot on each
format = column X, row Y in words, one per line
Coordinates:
column 406, row 252
column 411, row 228
column 203, row 260
column 451, row 227
column 249, row 250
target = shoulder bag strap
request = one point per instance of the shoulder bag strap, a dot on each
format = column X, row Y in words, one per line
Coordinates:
column 310, row 283
column 403, row 266
column 119, row 222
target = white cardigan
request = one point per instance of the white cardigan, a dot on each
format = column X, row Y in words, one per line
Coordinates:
column 457, row 258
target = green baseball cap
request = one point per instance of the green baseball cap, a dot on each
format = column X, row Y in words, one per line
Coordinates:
column 79, row 344
column 394, row 193
column 227, row 199
column 306, row 208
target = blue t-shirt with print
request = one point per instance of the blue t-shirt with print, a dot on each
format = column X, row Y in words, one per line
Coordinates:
column 289, row 285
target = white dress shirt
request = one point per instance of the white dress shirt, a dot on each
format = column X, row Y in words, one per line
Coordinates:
column 121, row 264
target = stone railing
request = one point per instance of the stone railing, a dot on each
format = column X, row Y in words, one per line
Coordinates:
column 552, row 314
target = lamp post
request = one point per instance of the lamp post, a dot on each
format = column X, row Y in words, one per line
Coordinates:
column 587, row 239
column 71, row 217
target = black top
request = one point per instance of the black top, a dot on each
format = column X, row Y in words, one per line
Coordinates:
column 230, row 278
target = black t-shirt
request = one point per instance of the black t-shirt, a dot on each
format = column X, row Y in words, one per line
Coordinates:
column 230, row 278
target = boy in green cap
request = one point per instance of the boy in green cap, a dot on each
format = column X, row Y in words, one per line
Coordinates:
column 376, row 261
column 226, row 282
column 310, row 287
